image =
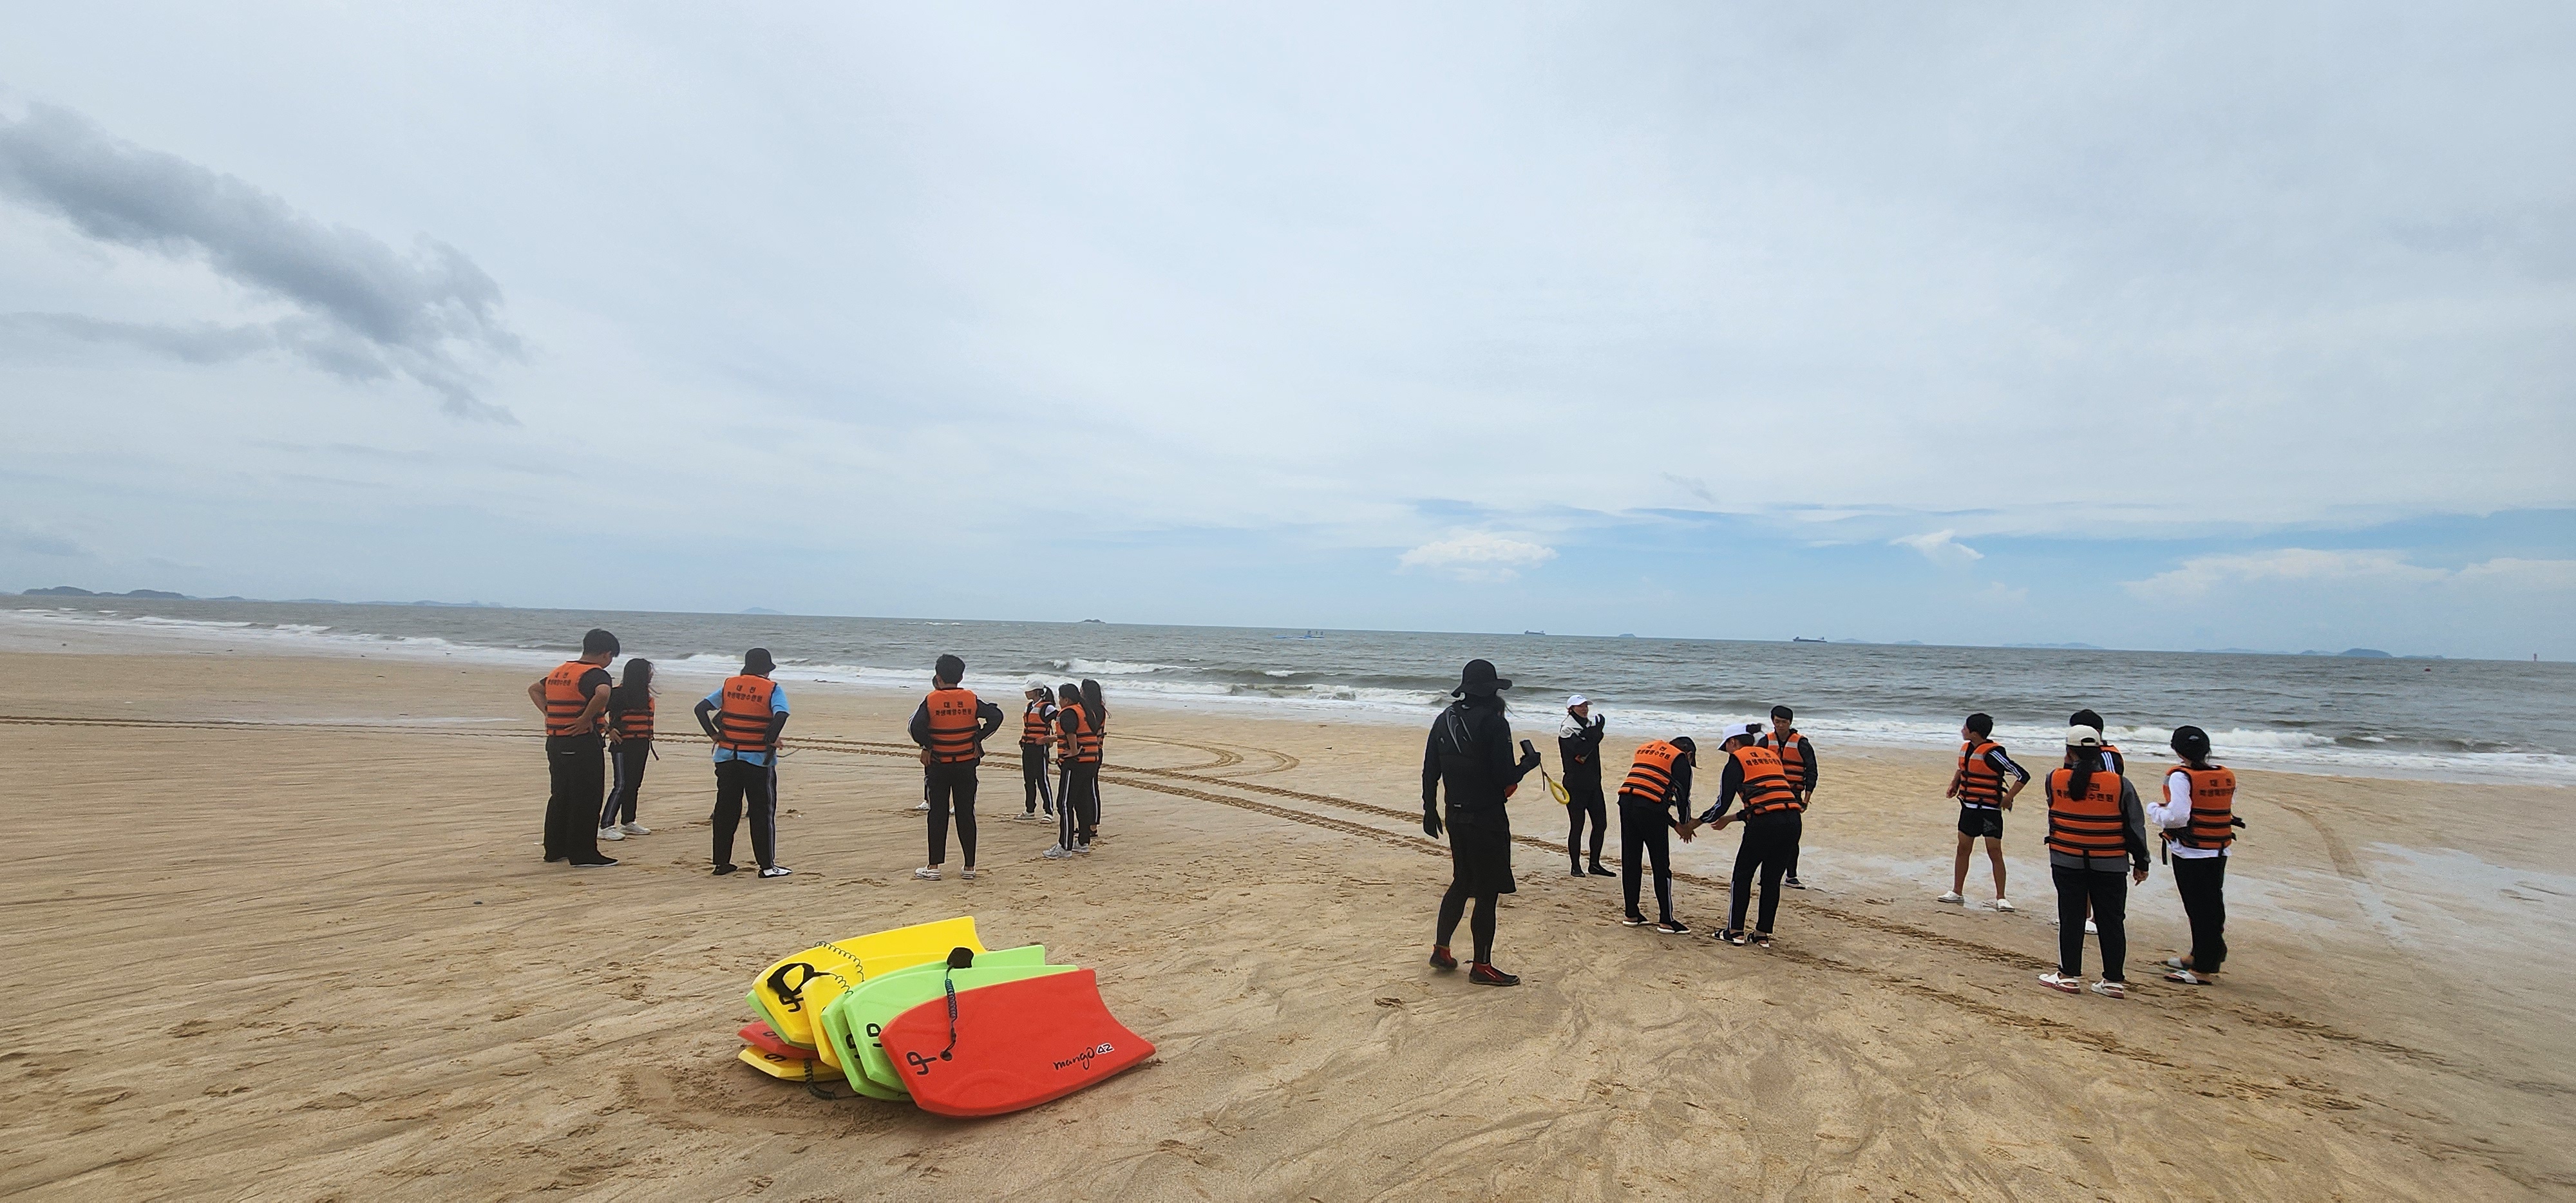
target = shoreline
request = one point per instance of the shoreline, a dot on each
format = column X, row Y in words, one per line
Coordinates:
column 369, row 982
column 25, row 628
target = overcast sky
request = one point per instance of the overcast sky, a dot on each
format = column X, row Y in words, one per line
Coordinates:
column 2162, row 328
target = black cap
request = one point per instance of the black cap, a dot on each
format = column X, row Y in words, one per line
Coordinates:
column 757, row 661
column 1687, row 744
column 1478, row 680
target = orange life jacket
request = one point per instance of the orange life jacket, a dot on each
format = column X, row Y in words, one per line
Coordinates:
column 1793, row 755
column 1650, row 779
column 953, row 726
column 636, row 724
column 564, row 699
column 1033, row 724
column 742, row 715
column 1077, row 741
column 2213, row 807
column 1766, row 789
column 2088, row 826
column 1979, row 783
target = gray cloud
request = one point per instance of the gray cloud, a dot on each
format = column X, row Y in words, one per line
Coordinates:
column 17, row 537
column 368, row 312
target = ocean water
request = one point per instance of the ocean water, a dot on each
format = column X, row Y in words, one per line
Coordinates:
column 2457, row 720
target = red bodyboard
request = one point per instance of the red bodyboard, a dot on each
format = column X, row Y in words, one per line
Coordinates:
column 1019, row 1044
column 758, row 1035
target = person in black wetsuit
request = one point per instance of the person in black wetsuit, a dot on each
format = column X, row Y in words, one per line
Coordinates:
column 1754, row 776
column 1470, row 751
column 1578, row 750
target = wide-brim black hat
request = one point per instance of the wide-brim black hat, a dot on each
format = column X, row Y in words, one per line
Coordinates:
column 1478, row 679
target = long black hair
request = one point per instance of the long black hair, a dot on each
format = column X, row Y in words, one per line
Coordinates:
column 2088, row 761
column 637, row 688
column 1093, row 704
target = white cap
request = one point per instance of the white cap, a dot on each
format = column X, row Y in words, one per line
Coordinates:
column 1577, row 700
column 2083, row 737
column 1035, row 682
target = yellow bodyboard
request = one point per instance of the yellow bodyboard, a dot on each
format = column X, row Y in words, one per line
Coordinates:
column 779, row 994
column 793, row 1070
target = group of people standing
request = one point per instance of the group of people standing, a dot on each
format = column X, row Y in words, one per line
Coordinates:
column 586, row 714
column 2097, row 839
column 951, row 724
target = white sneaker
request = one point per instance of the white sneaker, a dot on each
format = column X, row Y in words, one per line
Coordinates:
column 611, row 833
column 968, row 875
column 2091, row 930
column 2003, row 904
column 921, row 806
column 1083, row 847
column 776, row 871
column 635, row 829
column 1056, row 852
column 1953, row 897
column 926, row 874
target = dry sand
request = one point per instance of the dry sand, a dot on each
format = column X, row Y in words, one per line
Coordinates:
column 277, row 927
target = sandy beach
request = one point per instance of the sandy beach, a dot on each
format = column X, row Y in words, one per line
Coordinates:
column 278, row 927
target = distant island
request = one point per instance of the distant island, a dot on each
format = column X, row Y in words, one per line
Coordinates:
column 166, row 595
column 761, row 610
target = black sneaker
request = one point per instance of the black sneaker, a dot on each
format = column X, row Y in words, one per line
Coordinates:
column 1577, row 871
column 597, row 862
column 1440, row 959
column 1795, row 884
column 1598, row 871
column 1672, row 927
column 721, row 870
column 1632, row 920
column 1487, row 975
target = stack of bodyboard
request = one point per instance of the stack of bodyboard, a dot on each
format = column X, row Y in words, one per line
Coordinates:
column 927, row 1013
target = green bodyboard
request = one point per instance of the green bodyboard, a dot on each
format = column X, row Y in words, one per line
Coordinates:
column 875, row 1004
column 834, row 1026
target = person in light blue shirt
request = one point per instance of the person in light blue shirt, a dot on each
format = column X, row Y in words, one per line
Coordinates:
column 743, row 719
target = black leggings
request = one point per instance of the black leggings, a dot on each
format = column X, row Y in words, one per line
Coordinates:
column 627, row 758
column 1644, row 834
column 2203, row 882
column 1454, row 904
column 740, row 786
column 2108, row 894
column 1077, row 803
column 1587, row 802
column 1033, row 781
column 1770, row 843
column 952, row 786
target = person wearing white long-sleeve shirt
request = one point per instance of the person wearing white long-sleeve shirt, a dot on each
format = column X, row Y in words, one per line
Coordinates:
column 2196, row 811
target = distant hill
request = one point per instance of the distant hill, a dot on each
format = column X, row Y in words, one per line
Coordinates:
column 166, row 595
column 2076, row 647
column 69, row 591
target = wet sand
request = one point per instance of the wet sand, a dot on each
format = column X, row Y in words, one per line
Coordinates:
column 277, row 926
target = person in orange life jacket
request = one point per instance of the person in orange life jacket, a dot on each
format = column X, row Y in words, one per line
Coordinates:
column 1978, row 784
column 1771, row 828
column 1096, row 708
column 1798, row 760
column 1652, row 801
column 2096, row 827
column 1037, row 729
column 1077, row 793
column 951, row 726
column 630, row 744
column 744, row 717
column 2196, row 812
column 1470, row 753
column 1578, row 750
column 2111, row 759
column 572, row 698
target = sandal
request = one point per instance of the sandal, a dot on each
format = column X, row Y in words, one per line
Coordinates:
column 1735, row 938
column 1762, row 939
column 2111, row 989
column 2063, row 985
column 2188, row 978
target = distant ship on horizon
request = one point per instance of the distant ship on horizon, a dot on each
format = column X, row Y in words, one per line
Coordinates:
column 1803, row 639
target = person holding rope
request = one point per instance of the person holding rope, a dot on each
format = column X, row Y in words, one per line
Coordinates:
column 1652, row 802
column 1578, row 750
column 1772, row 826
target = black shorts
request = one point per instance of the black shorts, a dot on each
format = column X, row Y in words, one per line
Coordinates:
column 1977, row 820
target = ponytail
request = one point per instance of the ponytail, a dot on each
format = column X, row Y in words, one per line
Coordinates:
column 2088, row 761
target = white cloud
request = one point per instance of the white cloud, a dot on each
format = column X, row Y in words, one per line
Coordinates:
column 2199, row 576
column 1478, row 556
column 1941, row 547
